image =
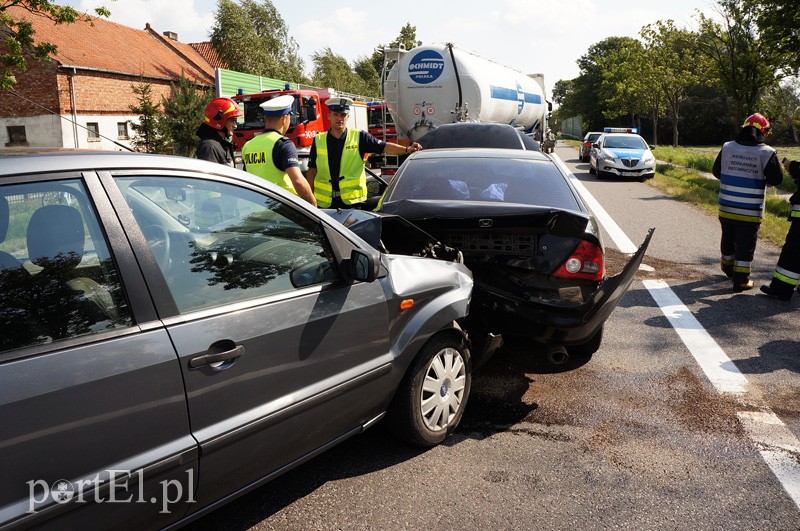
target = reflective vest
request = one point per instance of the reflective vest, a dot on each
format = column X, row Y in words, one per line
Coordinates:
column 742, row 185
column 353, row 188
column 257, row 159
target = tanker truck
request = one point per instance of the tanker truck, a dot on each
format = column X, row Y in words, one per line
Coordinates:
column 432, row 85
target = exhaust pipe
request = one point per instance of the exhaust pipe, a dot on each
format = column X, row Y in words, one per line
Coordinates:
column 557, row 354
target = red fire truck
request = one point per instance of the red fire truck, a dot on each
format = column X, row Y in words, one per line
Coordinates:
column 310, row 116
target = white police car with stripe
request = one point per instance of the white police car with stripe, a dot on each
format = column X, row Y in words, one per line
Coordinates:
column 621, row 152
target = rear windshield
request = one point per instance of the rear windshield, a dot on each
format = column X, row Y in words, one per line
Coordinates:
column 625, row 141
column 594, row 136
column 528, row 182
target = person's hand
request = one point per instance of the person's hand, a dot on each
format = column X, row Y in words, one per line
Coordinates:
column 415, row 146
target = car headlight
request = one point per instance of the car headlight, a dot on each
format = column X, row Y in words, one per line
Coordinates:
column 648, row 158
column 605, row 155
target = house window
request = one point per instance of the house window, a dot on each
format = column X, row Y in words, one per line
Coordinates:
column 122, row 130
column 94, row 131
column 16, row 135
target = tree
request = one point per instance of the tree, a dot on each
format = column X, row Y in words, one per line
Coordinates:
column 252, row 37
column 620, row 89
column 782, row 104
column 407, row 37
column 151, row 134
column 19, row 37
column 331, row 70
column 745, row 64
column 779, row 25
column 585, row 87
column 183, row 113
column 676, row 63
column 366, row 71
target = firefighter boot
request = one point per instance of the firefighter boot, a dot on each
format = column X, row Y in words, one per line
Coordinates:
column 742, row 283
column 778, row 290
column 727, row 269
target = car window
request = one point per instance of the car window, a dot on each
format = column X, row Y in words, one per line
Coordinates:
column 593, row 137
column 625, row 142
column 529, row 182
column 57, row 278
column 217, row 243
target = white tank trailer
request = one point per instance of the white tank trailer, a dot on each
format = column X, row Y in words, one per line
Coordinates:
column 433, row 85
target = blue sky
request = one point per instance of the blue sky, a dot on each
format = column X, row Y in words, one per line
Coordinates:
column 528, row 35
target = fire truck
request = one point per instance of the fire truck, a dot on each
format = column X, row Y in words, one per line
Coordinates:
column 382, row 127
column 309, row 116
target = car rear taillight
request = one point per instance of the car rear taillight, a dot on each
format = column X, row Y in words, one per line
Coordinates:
column 587, row 144
column 585, row 263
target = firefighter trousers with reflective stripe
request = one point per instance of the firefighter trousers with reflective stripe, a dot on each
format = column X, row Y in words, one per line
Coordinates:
column 786, row 276
column 739, row 240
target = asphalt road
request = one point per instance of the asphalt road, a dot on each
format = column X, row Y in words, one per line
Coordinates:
column 637, row 437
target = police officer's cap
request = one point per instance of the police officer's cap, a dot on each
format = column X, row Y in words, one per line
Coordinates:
column 278, row 106
column 339, row 104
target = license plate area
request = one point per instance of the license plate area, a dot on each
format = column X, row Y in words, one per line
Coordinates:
column 495, row 244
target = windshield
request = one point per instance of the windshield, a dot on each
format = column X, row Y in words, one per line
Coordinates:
column 625, row 142
column 530, row 182
column 254, row 115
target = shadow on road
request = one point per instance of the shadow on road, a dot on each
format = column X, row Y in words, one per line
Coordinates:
column 497, row 402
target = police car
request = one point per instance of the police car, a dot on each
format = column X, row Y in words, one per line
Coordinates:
column 621, row 152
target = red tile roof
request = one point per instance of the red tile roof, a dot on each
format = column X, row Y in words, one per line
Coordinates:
column 207, row 50
column 105, row 45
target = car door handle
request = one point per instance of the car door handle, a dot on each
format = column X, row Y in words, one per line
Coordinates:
column 208, row 359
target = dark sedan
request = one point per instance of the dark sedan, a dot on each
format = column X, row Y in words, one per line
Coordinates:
column 533, row 247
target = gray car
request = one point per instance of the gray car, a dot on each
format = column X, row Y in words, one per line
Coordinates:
column 175, row 333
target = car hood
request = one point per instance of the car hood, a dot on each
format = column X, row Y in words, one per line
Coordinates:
column 625, row 153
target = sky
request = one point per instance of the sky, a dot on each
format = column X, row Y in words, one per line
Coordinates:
column 528, row 35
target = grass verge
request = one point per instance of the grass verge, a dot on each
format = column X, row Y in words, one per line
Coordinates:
column 686, row 185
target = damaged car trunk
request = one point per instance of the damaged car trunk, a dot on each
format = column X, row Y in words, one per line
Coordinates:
column 533, row 247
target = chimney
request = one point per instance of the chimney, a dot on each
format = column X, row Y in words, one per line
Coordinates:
column 171, row 35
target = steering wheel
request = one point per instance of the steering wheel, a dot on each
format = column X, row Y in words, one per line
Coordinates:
column 158, row 241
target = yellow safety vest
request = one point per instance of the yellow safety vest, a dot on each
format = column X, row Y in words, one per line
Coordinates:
column 353, row 188
column 257, row 159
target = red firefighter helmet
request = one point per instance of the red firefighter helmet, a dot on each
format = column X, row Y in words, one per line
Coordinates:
column 758, row 121
column 219, row 110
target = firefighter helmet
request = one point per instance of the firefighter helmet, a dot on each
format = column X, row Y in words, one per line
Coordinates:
column 219, row 110
column 758, row 121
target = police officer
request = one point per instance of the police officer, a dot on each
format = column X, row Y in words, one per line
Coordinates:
column 787, row 274
column 340, row 153
column 271, row 155
column 216, row 130
column 744, row 167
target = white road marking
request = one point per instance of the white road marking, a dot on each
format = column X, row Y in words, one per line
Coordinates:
column 778, row 446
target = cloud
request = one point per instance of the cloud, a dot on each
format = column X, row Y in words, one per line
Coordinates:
column 180, row 16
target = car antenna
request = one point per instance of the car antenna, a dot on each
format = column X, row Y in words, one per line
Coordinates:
column 67, row 119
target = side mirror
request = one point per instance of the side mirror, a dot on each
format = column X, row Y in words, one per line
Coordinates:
column 364, row 266
column 311, row 111
column 595, row 144
column 651, row 147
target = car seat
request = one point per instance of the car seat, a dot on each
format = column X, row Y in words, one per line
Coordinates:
column 69, row 304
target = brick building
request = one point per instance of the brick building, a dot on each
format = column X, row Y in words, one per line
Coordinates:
column 88, row 80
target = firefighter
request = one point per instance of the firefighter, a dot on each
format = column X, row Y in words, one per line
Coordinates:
column 216, row 130
column 787, row 273
column 271, row 155
column 341, row 152
column 744, row 166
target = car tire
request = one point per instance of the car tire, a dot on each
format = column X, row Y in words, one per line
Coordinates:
column 585, row 350
column 420, row 414
column 591, row 168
